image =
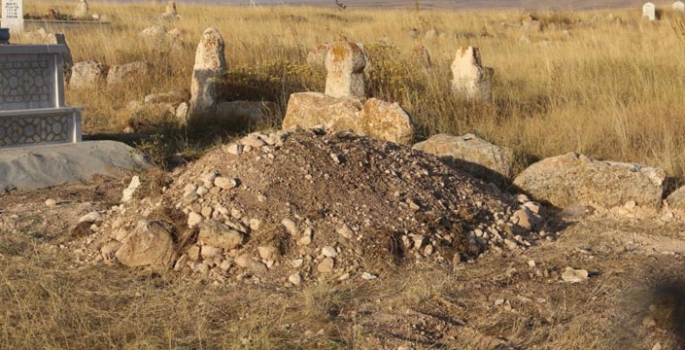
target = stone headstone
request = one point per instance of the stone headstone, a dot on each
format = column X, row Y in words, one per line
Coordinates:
column 209, row 62
column 469, row 77
column 649, row 11
column 170, row 11
column 345, row 63
column 13, row 15
column 679, row 6
column 81, row 10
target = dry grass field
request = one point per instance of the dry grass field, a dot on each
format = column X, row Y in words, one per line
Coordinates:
column 612, row 92
column 584, row 84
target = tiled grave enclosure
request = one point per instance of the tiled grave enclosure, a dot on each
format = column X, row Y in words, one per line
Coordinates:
column 32, row 108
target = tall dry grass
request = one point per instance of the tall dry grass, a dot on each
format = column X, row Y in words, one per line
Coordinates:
column 612, row 92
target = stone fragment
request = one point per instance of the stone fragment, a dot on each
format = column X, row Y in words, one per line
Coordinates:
column 678, row 6
column 234, row 149
column 225, row 183
column 267, row 252
column 471, row 154
column 194, row 219
column 469, row 78
column 128, row 73
column 346, row 232
column 329, row 252
column 193, row 253
column 326, row 265
column 131, row 189
column 522, row 219
column 87, row 74
column 150, row 244
column 572, row 275
column 576, row 179
column 220, row 235
column 290, row 226
column 208, row 252
column 50, row 203
column 92, row 218
column 295, row 279
column 345, row 63
column 175, row 98
column 209, row 62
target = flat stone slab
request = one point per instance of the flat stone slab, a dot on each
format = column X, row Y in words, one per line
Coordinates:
column 51, row 165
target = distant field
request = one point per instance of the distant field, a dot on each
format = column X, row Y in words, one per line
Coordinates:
column 451, row 4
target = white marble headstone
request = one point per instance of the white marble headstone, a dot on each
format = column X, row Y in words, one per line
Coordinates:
column 13, row 15
column 649, row 11
column 679, row 6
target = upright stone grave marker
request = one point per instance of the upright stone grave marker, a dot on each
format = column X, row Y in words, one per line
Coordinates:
column 649, row 11
column 13, row 15
column 679, row 6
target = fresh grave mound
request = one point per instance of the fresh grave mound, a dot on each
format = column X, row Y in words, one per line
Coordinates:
column 297, row 205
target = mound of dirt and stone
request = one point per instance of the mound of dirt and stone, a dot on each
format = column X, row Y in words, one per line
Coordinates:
column 298, row 205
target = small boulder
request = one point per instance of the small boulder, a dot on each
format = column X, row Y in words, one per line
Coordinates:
column 87, row 74
column 471, row 154
column 245, row 112
column 219, row 235
column 386, row 121
column 150, row 244
column 676, row 200
column 128, row 73
column 576, row 179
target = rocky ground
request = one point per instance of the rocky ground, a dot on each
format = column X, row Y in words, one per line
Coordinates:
column 315, row 240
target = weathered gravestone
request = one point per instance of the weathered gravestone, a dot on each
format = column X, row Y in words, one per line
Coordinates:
column 469, row 78
column 32, row 106
column 345, row 62
column 81, row 10
column 649, row 11
column 13, row 15
column 209, row 63
column 679, row 6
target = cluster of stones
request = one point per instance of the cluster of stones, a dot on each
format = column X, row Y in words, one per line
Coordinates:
column 223, row 247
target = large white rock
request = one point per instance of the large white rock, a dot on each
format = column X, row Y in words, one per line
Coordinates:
column 576, row 179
